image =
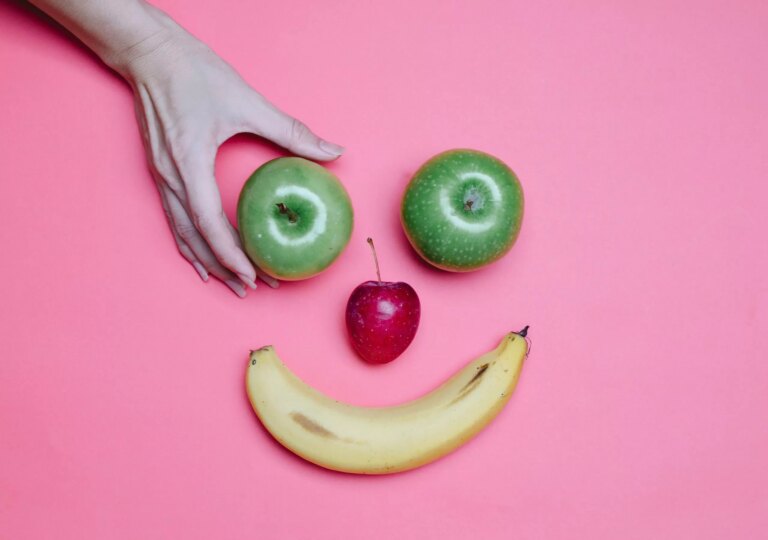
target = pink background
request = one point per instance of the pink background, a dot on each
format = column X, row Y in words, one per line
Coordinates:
column 640, row 133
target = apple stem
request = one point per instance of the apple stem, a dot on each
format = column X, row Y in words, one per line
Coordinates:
column 468, row 205
column 375, row 258
column 293, row 217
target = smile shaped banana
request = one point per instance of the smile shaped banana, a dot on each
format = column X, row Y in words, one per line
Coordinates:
column 381, row 440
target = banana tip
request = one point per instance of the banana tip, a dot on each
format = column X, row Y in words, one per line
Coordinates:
column 524, row 331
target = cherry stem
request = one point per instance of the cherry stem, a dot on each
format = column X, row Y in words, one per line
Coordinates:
column 375, row 258
column 293, row 217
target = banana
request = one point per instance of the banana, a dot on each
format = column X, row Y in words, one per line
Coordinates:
column 381, row 440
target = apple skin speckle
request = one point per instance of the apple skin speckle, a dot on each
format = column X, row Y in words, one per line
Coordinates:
column 447, row 232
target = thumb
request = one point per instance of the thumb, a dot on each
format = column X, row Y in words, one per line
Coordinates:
column 292, row 134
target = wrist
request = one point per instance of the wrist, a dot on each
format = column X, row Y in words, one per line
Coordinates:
column 123, row 33
column 146, row 33
column 156, row 51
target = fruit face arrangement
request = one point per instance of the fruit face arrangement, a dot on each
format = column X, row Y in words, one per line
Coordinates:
column 461, row 211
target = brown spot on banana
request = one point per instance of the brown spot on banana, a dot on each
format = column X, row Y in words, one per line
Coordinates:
column 480, row 371
column 471, row 385
column 311, row 426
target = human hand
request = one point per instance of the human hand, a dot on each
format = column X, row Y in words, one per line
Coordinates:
column 188, row 102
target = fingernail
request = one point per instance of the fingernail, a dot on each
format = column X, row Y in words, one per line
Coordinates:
column 236, row 287
column 269, row 280
column 201, row 270
column 248, row 281
column 330, row 148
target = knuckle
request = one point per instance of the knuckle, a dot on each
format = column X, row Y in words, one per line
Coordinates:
column 206, row 222
column 180, row 149
column 184, row 144
column 187, row 231
column 227, row 259
column 165, row 172
column 163, row 167
column 298, row 131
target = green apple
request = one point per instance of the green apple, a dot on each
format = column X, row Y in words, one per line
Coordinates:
column 462, row 210
column 295, row 218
